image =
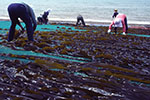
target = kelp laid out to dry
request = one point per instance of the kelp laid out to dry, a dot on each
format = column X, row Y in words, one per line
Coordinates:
column 113, row 66
column 45, row 79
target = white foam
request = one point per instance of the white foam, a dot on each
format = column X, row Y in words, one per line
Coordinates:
column 4, row 18
column 138, row 22
column 59, row 19
column 89, row 21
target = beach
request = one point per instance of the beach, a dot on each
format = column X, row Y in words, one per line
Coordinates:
column 94, row 12
column 94, row 23
column 74, row 62
column 69, row 62
column 137, row 11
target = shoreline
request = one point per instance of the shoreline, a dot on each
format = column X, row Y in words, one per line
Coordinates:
column 104, row 24
column 93, row 23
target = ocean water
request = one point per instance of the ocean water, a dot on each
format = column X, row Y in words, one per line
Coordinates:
column 137, row 11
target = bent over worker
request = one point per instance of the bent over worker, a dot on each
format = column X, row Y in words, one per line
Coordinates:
column 80, row 18
column 26, row 14
column 120, row 20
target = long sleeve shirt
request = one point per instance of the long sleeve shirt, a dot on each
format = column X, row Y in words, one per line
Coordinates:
column 115, row 14
column 32, row 15
column 122, row 18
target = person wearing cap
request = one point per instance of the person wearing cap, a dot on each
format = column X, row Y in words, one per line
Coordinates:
column 115, row 13
column 26, row 14
column 80, row 18
column 120, row 20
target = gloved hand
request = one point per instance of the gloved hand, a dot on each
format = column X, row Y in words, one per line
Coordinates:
column 124, row 33
column 109, row 31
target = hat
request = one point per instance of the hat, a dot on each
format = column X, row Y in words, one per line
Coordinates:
column 115, row 9
column 117, row 22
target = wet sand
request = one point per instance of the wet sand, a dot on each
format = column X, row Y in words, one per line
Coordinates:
column 136, row 26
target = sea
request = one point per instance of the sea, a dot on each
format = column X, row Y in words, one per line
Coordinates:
column 137, row 11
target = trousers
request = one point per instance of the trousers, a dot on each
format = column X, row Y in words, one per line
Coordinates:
column 19, row 11
column 126, row 25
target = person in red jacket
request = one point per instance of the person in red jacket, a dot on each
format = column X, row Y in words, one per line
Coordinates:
column 120, row 20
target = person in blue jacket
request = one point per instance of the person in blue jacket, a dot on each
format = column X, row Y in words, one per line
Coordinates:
column 44, row 18
column 26, row 14
column 115, row 13
column 45, row 15
column 80, row 18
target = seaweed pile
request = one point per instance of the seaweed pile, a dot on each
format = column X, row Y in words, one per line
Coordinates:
column 115, row 66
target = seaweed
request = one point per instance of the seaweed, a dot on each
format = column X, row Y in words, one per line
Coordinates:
column 48, row 49
column 106, row 56
column 116, row 62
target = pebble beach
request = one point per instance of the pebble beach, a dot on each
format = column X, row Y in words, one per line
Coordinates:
column 69, row 62
column 75, row 62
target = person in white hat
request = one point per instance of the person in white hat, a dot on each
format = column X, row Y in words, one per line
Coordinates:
column 115, row 13
column 120, row 20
